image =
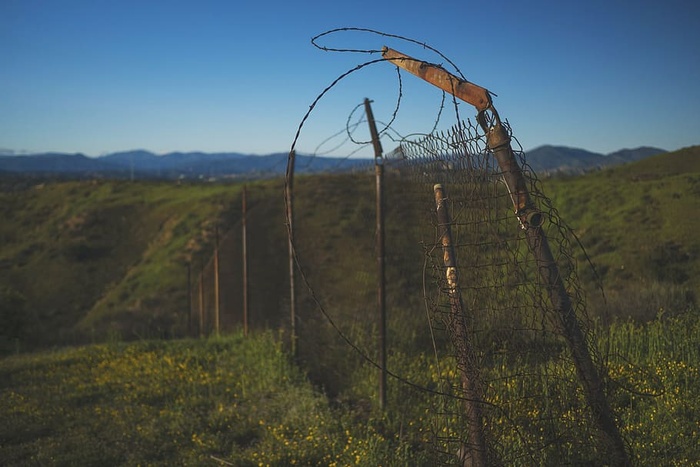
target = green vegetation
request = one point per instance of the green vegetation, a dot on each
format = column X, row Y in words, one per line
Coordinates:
column 179, row 403
column 93, row 259
column 639, row 226
column 638, row 222
column 105, row 262
column 241, row 401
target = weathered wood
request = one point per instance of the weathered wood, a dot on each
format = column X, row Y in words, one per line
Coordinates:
column 591, row 380
column 289, row 199
column 531, row 220
column 217, row 289
column 475, row 453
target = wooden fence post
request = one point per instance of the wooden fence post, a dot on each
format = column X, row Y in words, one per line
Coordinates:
column 498, row 141
column 189, row 299
column 475, row 453
column 217, row 289
column 201, row 301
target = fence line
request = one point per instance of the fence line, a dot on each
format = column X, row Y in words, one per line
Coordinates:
column 527, row 325
column 512, row 322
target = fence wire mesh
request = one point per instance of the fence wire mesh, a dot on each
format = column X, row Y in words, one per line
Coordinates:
column 527, row 381
column 478, row 336
column 535, row 411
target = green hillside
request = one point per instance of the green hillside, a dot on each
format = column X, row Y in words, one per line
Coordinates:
column 107, row 261
column 232, row 401
column 638, row 223
column 240, row 401
column 68, row 247
column 86, row 261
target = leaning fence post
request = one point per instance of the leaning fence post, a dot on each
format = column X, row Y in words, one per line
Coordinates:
column 466, row 360
column 531, row 220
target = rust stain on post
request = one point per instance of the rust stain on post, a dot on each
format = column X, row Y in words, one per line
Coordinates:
column 525, row 209
column 469, row 92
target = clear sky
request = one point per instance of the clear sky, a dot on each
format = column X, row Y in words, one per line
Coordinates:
column 97, row 76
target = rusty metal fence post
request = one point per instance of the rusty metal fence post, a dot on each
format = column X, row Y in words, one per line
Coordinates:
column 498, row 141
column 380, row 245
column 475, row 454
column 531, row 220
column 244, row 235
column 289, row 197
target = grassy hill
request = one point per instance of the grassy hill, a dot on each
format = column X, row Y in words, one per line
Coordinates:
column 206, row 402
column 638, row 225
column 68, row 247
column 106, row 261
column 83, row 261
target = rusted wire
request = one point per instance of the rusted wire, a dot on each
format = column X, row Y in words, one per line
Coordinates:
column 513, row 332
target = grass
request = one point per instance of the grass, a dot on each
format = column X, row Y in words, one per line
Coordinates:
column 82, row 254
column 241, row 401
column 95, row 259
column 637, row 220
column 656, row 367
column 175, row 403
column 105, row 261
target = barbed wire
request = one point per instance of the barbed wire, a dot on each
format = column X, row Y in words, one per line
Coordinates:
column 358, row 67
column 314, row 42
column 508, row 315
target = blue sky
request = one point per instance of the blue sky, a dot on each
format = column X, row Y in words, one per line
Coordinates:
column 97, row 76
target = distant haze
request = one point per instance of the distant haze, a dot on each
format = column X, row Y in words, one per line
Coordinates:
column 194, row 165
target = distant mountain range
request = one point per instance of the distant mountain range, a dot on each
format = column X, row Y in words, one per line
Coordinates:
column 200, row 165
column 547, row 159
column 175, row 165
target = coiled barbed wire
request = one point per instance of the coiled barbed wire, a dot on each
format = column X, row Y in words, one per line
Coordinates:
column 462, row 157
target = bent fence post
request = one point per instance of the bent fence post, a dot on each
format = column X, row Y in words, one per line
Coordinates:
column 498, row 141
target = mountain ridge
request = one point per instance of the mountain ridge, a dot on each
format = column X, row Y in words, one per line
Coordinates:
column 551, row 158
column 140, row 163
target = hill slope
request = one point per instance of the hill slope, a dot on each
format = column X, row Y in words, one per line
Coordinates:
column 109, row 257
column 638, row 222
column 177, row 403
column 83, row 260
column 239, row 401
column 572, row 160
column 67, row 246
